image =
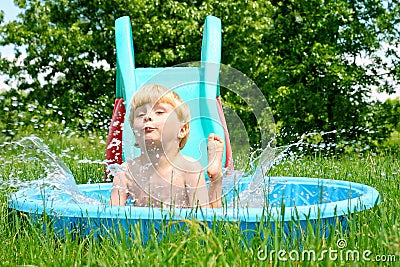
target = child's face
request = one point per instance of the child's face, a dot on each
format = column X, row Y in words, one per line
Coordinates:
column 157, row 124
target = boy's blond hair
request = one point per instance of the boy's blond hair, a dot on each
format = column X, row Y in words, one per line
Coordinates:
column 154, row 93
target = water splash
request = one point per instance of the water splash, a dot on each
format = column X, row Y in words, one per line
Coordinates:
column 261, row 185
column 57, row 176
column 50, row 172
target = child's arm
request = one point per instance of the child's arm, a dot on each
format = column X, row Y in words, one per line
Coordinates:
column 198, row 194
column 215, row 150
column 196, row 189
column 119, row 193
column 215, row 192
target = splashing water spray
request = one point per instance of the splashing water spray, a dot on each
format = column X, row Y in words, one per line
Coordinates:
column 56, row 175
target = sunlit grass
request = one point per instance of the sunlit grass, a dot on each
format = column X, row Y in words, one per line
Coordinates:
column 220, row 244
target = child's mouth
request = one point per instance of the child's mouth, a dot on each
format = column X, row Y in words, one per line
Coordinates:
column 148, row 129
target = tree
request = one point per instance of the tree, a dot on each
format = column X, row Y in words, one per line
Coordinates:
column 70, row 51
column 387, row 115
column 303, row 54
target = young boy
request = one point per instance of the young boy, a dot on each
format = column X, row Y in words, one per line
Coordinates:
column 161, row 175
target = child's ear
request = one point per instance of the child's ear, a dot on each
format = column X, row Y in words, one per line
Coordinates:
column 184, row 131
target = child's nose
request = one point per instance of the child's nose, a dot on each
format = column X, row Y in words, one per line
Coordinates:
column 148, row 117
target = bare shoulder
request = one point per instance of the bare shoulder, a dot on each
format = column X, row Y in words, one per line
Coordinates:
column 192, row 171
column 125, row 171
column 189, row 165
column 131, row 165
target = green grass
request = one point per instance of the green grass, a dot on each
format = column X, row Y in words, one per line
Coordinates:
column 223, row 244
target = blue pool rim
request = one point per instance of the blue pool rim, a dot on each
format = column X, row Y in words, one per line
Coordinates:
column 366, row 198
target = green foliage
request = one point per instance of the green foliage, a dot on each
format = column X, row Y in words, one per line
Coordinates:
column 387, row 116
column 304, row 55
column 23, row 115
column 313, row 80
column 69, row 48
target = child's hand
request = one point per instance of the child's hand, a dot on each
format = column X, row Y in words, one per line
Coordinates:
column 215, row 148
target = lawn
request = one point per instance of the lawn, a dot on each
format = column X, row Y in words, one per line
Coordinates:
column 374, row 233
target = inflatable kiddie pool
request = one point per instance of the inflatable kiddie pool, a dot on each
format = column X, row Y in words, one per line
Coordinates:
column 288, row 200
column 295, row 201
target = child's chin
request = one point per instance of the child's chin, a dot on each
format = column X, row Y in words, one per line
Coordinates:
column 152, row 142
